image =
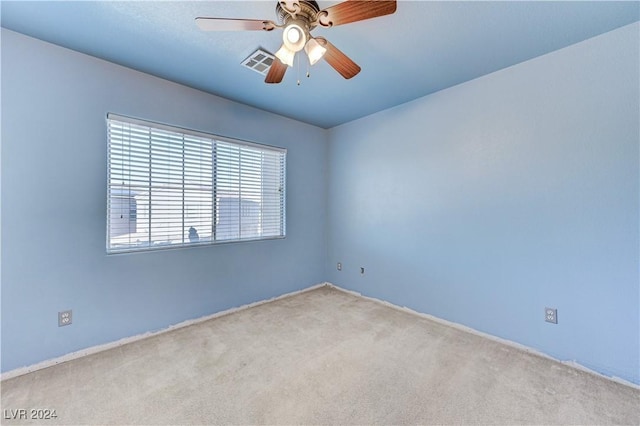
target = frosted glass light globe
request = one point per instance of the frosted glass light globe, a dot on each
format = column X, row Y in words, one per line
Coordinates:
column 294, row 37
column 293, row 34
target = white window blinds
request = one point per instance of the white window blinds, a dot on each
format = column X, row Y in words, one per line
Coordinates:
column 171, row 187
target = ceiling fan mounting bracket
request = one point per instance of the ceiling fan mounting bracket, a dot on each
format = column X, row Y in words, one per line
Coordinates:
column 320, row 19
column 269, row 26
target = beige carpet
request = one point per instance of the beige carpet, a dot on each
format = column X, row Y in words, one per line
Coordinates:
column 320, row 357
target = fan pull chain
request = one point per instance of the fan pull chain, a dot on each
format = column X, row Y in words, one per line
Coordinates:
column 308, row 66
column 298, row 61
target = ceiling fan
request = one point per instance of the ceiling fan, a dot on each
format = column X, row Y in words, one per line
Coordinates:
column 298, row 18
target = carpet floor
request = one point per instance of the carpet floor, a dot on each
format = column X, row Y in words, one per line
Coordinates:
column 319, row 357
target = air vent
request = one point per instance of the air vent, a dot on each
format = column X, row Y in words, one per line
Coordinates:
column 259, row 61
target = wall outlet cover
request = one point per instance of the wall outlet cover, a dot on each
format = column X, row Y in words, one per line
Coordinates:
column 65, row 318
column 551, row 315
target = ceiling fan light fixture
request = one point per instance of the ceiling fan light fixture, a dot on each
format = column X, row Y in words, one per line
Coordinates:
column 297, row 18
column 314, row 50
column 294, row 37
column 285, row 55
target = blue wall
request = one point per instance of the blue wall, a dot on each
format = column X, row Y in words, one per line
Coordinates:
column 54, row 104
column 480, row 204
column 486, row 202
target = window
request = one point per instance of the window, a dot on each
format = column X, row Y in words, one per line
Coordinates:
column 171, row 187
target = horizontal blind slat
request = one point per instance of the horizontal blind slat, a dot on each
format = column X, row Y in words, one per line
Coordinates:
column 172, row 187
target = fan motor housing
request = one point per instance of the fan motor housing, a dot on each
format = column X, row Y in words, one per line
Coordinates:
column 307, row 13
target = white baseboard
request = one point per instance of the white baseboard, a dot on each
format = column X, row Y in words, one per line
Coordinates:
column 569, row 363
column 106, row 346
column 100, row 348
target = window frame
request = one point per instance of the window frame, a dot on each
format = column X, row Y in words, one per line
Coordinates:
column 152, row 246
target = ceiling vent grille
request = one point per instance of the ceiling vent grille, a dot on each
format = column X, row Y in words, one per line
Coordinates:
column 259, row 61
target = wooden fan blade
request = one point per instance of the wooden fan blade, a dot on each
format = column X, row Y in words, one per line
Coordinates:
column 276, row 72
column 225, row 24
column 338, row 60
column 353, row 11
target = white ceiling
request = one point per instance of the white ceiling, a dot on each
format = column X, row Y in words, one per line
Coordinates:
column 424, row 47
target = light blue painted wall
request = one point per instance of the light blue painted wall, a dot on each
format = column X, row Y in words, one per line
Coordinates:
column 480, row 204
column 486, row 202
column 54, row 104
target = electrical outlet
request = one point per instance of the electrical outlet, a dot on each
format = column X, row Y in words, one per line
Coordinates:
column 64, row 318
column 339, row 266
column 361, row 270
column 551, row 315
